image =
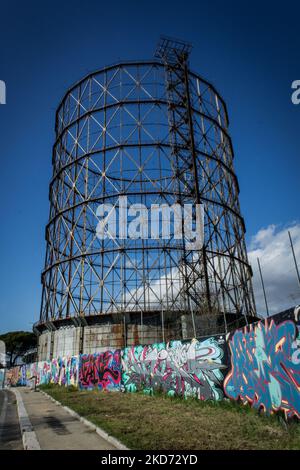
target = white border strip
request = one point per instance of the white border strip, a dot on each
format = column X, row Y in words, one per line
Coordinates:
column 112, row 440
column 29, row 438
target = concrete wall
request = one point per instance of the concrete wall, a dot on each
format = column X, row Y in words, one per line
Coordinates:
column 143, row 334
column 44, row 346
column 66, row 342
column 71, row 341
column 60, row 343
column 98, row 338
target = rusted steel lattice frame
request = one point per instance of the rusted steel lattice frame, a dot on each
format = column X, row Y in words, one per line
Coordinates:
column 74, row 192
column 67, row 264
column 182, row 116
column 175, row 56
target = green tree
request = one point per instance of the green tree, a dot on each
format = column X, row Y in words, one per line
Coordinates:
column 17, row 343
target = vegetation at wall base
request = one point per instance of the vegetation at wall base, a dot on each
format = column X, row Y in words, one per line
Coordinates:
column 171, row 423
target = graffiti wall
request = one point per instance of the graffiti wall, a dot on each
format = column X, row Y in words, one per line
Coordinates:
column 193, row 368
column 14, row 376
column 2, row 378
column 31, row 373
column 43, row 373
column 101, row 371
column 62, row 371
column 258, row 365
column 265, row 366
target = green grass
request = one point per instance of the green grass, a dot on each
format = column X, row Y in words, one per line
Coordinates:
column 163, row 423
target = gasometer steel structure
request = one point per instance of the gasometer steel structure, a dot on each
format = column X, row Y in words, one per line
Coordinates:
column 155, row 132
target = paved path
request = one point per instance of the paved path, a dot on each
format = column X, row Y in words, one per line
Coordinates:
column 10, row 434
column 55, row 428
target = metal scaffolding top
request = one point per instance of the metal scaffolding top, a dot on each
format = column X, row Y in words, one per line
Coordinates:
column 171, row 49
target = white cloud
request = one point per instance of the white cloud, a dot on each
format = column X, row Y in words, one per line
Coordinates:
column 272, row 246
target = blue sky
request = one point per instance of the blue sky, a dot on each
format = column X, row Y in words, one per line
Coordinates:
column 250, row 53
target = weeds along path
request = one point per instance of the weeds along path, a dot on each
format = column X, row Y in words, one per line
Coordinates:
column 162, row 423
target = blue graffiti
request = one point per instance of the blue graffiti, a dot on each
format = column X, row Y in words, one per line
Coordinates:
column 265, row 367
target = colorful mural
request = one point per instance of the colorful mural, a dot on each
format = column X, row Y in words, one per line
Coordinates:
column 44, row 373
column 32, row 374
column 265, row 367
column 13, row 376
column 193, row 368
column 64, row 371
column 2, row 378
column 102, row 371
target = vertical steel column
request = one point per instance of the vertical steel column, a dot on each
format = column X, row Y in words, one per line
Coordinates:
column 175, row 57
